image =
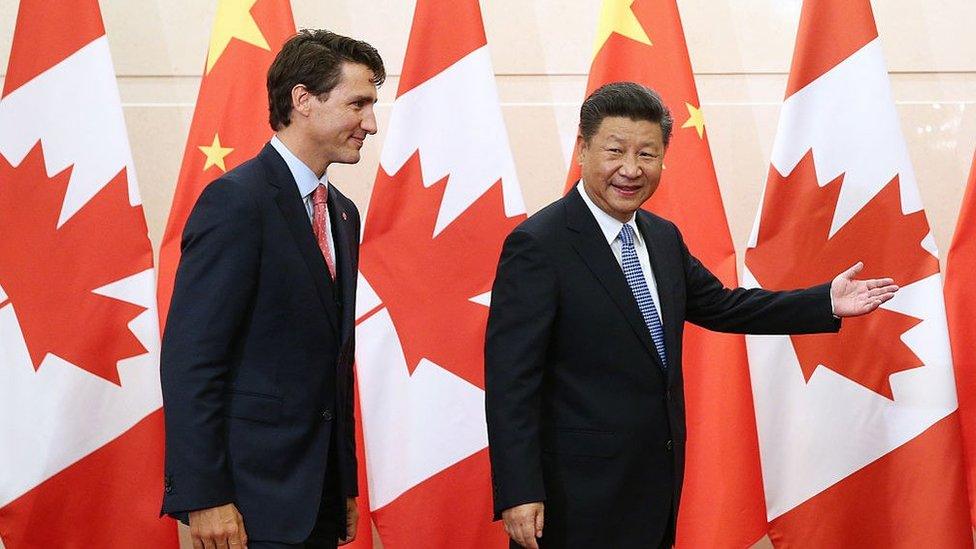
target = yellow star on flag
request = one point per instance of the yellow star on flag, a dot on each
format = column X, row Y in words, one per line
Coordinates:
column 215, row 154
column 233, row 20
column 617, row 17
column 695, row 119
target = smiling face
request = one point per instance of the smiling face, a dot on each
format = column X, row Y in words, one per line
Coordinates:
column 340, row 120
column 621, row 164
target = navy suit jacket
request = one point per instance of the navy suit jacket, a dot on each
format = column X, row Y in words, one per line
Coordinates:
column 580, row 413
column 257, row 354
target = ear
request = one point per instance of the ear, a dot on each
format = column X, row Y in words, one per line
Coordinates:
column 581, row 148
column 301, row 99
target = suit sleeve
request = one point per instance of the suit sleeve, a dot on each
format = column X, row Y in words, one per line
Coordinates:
column 753, row 311
column 523, row 308
column 213, row 289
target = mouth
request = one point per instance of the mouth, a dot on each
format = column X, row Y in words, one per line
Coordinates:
column 358, row 141
column 626, row 190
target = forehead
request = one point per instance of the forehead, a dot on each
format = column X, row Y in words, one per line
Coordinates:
column 357, row 79
column 619, row 128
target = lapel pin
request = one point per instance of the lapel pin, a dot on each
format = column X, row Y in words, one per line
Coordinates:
column 344, row 216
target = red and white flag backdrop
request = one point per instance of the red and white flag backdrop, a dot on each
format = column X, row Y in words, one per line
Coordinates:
column 80, row 419
column 445, row 197
column 858, row 431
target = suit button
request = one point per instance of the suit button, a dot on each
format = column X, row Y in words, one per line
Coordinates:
column 327, row 415
column 669, row 445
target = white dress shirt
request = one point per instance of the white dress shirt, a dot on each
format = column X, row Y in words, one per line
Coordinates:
column 611, row 231
column 307, row 183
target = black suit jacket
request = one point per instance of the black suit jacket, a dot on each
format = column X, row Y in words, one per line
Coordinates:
column 257, row 354
column 580, row 413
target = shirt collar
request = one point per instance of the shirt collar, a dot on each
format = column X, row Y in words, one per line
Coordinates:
column 608, row 225
column 304, row 176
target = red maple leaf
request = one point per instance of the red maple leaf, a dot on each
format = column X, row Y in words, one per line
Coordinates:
column 49, row 272
column 794, row 250
column 427, row 282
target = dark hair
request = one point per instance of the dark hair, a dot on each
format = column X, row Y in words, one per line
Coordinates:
column 628, row 100
column 314, row 58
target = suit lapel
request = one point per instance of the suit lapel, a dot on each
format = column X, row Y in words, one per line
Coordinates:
column 345, row 237
column 296, row 217
column 591, row 245
column 659, row 266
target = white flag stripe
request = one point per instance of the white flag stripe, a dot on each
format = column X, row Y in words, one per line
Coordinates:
column 415, row 425
column 456, row 124
column 75, row 111
column 815, row 433
column 61, row 412
column 848, row 117
column 64, row 412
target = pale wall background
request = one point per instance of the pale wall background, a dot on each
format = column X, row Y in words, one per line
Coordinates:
column 740, row 52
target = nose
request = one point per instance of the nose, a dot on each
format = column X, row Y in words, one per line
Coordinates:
column 629, row 167
column 369, row 121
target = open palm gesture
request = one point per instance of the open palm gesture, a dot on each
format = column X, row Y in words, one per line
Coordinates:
column 853, row 297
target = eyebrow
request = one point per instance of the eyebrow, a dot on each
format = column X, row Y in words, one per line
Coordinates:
column 362, row 97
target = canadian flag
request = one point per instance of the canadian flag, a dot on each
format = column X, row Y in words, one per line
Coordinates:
column 858, row 431
column 445, row 197
column 721, row 500
column 960, row 304
column 79, row 341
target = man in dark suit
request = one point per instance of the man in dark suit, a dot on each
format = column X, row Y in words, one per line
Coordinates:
column 258, row 348
column 584, row 395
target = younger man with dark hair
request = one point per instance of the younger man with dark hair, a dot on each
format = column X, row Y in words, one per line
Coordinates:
column 257, row 353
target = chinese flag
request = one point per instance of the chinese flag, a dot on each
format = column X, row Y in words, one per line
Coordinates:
column 859, row 434
column 960, row 303
column 230, row 123
column 445, row 198
column 722, row 500
column 81, row 430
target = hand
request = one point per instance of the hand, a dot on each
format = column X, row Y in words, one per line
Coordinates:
column 352, row 519
column 524, row 523
column 852, row 297
column 219, row 527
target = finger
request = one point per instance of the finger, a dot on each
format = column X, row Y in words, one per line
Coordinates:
column 350, row 537
column 528, row 535
column 879, row 282
column 852, row 272
column 197, row 542
column 539, row 522
column 886, row 290
column 241, row 532
column 517, row 534
column 208, row 541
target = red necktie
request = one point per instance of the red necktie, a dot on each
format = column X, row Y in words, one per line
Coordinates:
column 320, row 221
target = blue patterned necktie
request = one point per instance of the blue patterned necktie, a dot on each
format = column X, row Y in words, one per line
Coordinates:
column 638, row 285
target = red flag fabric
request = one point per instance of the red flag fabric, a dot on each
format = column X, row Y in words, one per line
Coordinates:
column 82, row 456
column 445, row 197
column 960, row 304
column 859, row 435
column 230, row 121
column 722, row 502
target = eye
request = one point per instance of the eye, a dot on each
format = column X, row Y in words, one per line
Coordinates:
column 614, row 150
